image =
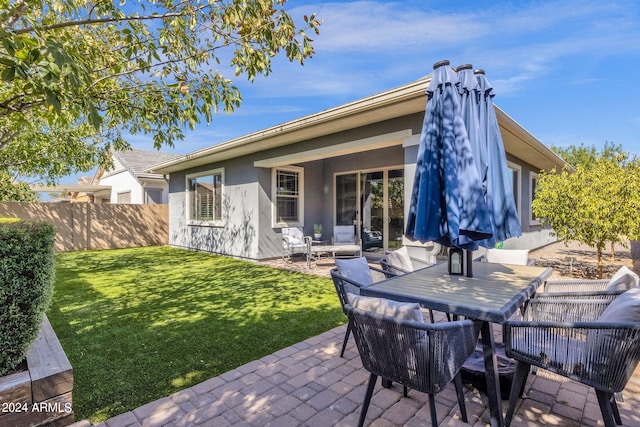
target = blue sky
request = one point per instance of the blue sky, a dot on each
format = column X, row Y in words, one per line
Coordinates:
column 565, row 70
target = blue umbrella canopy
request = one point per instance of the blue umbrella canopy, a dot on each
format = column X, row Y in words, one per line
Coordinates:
column 498, row 184
column 469, row 99
column 447, row 199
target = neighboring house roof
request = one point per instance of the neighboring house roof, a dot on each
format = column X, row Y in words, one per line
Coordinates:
column 136, row 162
column 401, row 101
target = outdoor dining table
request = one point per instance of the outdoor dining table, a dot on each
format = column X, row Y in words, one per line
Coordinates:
column 492, row 295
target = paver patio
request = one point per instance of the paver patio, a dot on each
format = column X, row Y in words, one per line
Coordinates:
column 309, row 384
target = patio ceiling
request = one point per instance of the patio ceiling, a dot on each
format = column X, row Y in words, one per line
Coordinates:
column 357, row 146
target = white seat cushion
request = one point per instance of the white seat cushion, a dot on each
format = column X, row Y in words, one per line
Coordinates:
column 400, row 258
column 508, row 256
column 623, row 280
column 356, row 269
column 625, row 308
column 605, row 344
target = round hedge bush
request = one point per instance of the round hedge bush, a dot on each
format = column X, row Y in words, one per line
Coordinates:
column 26, row 286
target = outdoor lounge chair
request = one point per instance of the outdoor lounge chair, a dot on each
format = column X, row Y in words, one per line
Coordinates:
column 344, row 240
column 293, row 242
column 420, row 356
column 595, row 342
column 348, row 277
column 622, row 280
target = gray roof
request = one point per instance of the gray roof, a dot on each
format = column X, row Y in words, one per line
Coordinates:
column 137, row 161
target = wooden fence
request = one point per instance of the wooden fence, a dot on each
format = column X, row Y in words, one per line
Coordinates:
column 82, row 226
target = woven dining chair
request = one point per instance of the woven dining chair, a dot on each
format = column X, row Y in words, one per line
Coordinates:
column 594, row 341
column 624, row 279
column 349, row 277
column 420, row 356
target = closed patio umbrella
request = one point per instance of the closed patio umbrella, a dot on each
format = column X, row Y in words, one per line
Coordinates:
column 497, row 181
column 447, row 199
column 469, row 103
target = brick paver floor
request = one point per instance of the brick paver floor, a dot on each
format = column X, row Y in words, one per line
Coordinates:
column 309, row 384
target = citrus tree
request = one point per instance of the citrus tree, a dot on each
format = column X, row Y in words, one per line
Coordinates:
column 596, row 204
column 77, row 75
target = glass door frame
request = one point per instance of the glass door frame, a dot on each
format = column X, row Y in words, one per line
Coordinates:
column 385, row 205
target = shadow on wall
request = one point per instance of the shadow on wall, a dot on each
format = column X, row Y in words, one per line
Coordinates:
column 85, row 226
column 236, row 237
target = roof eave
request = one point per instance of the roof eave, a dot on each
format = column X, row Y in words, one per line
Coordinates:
column 396, row 102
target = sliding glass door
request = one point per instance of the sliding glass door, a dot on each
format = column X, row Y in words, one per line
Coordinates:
column 373, row 202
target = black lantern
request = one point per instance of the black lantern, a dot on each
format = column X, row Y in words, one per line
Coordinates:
column 456, row 261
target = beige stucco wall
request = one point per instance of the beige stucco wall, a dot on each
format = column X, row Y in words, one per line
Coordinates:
column 82, row 226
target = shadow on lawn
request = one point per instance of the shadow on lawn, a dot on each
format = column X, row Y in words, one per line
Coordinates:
column 140, row 324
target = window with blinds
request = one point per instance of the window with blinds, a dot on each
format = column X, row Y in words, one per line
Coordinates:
column 205, row 196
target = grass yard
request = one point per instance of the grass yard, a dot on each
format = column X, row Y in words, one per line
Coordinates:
column 140, row 324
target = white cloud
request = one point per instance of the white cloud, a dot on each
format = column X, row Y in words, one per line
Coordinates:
column 402, row 40
column 368, row 26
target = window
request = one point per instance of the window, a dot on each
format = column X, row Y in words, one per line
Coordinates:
column 288, row 194
column 533, row 180
column 515, row 173
column 153, row 196
column 204, row 195
column 124, row 198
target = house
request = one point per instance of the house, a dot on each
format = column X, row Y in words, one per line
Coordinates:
column 350, row 165
column 127, row 181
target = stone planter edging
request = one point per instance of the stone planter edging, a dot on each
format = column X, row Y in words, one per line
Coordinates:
column 42, row 394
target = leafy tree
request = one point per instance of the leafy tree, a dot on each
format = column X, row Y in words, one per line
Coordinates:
column 596, row 204
column 78, row 75
column 588, row 156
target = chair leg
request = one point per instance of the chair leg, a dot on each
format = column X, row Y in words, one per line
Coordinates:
column 367, row 399
column 346, row 338
column 432, row 409
column 517, row 388
column 616, row 412
column 457, row 381
column 604, row 399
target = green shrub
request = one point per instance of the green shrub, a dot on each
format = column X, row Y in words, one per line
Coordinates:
column 26, row 286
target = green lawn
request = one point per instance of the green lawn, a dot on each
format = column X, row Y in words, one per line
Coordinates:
column 140, row 324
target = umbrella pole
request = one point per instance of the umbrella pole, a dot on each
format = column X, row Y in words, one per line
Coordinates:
column 469, row 262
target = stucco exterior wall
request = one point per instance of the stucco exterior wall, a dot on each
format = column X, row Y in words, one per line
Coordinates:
column 238, row 235
column 122, row 182
column 249, row 230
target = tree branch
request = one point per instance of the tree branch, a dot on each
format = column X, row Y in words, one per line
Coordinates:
column 105, row 20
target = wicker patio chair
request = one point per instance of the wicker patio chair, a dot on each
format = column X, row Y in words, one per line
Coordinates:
column 424, row 357
column 595, row 342
column 399, row 262
column 623, row 280
column 351, row 282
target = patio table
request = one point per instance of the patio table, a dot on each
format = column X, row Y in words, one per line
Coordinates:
column 493, row 294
